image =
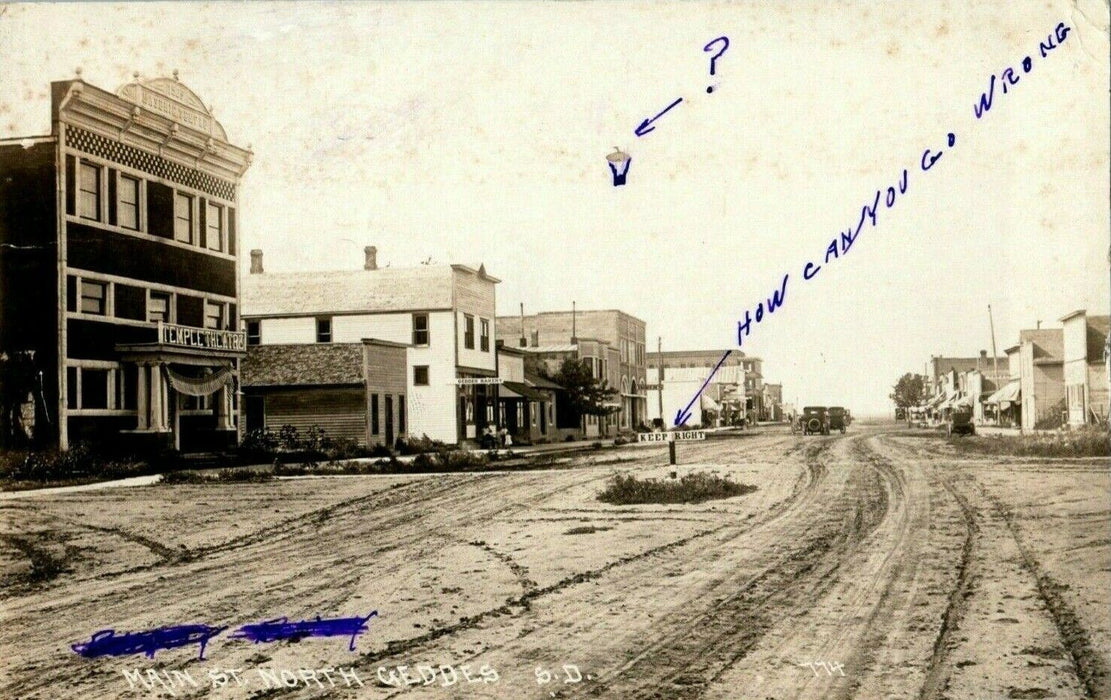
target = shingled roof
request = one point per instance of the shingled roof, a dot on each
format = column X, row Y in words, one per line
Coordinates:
column 317, row 364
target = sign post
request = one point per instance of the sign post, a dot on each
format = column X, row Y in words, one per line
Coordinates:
column 671, row 438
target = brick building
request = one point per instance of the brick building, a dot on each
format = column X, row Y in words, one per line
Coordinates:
column 623, row 333
column 605, row 364
column 118, row 284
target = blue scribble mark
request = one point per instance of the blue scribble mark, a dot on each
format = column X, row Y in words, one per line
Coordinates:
column 619, row 177
column 282, row 628
column 618, row 159
column 685, row 413
column 108, row 643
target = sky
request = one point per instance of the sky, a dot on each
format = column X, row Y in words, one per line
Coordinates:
column 477, row 133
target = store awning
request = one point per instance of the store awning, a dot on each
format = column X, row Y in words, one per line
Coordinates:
column 1011, row 392
column 950, row 400
column 963, row 401
column 709, row 404
column 517, row 390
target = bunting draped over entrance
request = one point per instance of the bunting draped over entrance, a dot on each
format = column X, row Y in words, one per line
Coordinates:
column 198, row 386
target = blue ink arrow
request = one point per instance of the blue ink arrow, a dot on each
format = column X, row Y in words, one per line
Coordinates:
column 682, row 416
column 641, row 130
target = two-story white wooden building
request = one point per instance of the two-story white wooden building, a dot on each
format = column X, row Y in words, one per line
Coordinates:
column 444, row 313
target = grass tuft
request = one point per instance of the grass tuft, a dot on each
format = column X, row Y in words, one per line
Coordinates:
column 624, row 489
column 222, row 476
column 1084, row 442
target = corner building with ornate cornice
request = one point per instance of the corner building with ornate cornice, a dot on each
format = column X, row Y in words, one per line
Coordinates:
column 119, row 289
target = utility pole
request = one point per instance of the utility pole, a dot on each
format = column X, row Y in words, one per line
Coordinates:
column 994, row 354
column 660, row 376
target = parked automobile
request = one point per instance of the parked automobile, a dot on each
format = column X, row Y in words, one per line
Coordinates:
column 900, row 413
column 814, row 420
column 838, row 418
column 960, row 421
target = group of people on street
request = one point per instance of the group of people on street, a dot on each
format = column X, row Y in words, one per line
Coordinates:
column 493, row 438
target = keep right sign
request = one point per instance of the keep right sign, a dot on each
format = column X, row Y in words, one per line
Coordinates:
column 675, row 436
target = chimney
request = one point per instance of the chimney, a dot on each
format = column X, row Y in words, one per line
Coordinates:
column 983, row 353
column 1039, row 324
column 256, row 262
column 371, row 258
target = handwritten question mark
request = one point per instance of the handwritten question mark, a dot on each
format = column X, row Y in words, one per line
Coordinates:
column 715, row 57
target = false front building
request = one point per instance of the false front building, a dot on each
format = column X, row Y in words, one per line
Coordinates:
column 118, row 285
column 444, row 314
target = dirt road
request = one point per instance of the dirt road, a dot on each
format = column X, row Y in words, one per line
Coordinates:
column 865, row 566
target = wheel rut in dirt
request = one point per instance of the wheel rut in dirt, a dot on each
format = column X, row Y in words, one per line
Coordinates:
column 700, row 648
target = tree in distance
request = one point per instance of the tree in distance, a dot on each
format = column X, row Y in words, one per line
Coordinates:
column 908, row 391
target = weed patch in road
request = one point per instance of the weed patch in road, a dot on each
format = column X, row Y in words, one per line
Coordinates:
column 586, row 530
column 222, row 476
column 699, row 487
column 1086, row 442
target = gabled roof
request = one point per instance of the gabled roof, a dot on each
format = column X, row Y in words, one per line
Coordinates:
column 316, row 364
column 424, row 287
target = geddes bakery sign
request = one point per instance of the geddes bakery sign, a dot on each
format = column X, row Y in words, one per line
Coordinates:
column 207, row 338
